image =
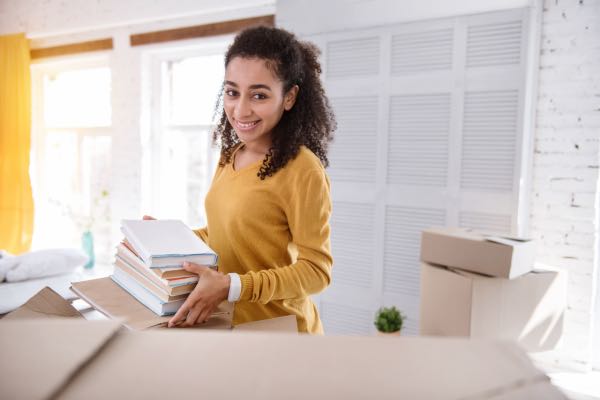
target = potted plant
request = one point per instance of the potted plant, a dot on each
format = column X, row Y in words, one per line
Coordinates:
column 388, row 321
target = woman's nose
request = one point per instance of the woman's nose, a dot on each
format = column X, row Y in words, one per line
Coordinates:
column 242, row 108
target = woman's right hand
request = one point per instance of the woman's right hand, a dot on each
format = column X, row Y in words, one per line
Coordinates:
column 147, row 217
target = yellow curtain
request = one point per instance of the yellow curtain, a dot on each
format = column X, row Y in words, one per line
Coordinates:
column 16, row 202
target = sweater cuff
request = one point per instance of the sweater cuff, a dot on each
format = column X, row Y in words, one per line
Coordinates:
column 235, row 287
column 247, row 286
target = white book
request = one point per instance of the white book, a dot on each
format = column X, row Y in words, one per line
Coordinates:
column 144, row 296
column 166, row 243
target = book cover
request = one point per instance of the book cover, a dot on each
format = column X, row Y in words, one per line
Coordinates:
column 166, row 243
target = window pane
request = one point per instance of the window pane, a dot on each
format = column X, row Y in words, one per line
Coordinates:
column 54, row 193
column 71, row 195
column 95, row 181
column 77, row 98
column 187, row 162
column 195, row 84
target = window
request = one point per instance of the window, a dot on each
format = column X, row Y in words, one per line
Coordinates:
column 185, row 86
column 70, row 158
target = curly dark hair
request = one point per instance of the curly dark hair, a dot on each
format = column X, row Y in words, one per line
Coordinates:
column 310, row 122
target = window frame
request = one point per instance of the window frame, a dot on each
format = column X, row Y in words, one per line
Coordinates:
column 156, row 112
column 40, row 132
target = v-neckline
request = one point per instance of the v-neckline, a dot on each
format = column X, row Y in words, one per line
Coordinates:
column 246, row 167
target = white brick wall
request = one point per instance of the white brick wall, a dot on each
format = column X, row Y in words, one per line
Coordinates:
column 564, row 210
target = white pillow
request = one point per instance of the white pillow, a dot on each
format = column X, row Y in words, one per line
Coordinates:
column 37, row 264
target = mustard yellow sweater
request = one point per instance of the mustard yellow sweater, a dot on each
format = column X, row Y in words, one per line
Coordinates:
column 275, row 234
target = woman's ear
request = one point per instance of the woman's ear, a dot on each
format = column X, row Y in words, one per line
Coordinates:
column 290, row 98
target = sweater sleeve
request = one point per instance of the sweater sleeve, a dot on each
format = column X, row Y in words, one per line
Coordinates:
column 308, row 210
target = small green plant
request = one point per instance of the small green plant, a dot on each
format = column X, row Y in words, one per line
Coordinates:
column 388, row 319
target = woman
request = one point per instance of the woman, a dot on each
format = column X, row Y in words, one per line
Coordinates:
column 269, row 205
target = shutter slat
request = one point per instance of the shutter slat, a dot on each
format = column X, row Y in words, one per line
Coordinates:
column 494, row 44
column 488, row 161
column 413, row 160
column 350, row 58
column 341, row 319
column 419, row 52
column 352, row 243
column 485, row 221
column 403, row 226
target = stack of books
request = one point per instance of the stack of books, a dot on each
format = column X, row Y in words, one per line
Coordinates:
column 149, row 262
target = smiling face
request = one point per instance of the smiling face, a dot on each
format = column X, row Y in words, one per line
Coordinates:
column 254, row 101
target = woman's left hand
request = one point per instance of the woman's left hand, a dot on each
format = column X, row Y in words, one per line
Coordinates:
column 212, row 288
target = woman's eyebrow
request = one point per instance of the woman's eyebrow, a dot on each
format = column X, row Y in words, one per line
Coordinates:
column 260, row 86
column 256, row 86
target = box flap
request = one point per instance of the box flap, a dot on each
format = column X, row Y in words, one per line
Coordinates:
column 267, row 366
column 113, row 301
column 281, row 324
column 45, row 304
column 506, row 241
column 473, row 251
column 40, row 356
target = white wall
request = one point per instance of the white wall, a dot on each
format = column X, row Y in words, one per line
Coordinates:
column 565, row 209
column 42, row 18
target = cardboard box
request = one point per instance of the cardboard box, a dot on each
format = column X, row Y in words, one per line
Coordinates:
column 77, row 359
column 529, row 309
column 45, row 304
column 110, row 299
column 504, row 257
column 117, row 304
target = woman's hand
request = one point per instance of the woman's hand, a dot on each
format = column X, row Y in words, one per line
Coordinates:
column 147, row 217
column 212, row 288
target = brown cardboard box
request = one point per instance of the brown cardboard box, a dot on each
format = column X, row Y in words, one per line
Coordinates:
column 115, row 303
column 528, row 309
column 163, row 364
column 39, row 356
column 469, row 250
column 45, row 304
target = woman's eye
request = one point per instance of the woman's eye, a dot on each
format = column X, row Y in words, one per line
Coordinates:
column 230, row 92
column 259, row 96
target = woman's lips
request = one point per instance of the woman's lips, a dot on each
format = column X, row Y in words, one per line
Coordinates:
column 245, row 126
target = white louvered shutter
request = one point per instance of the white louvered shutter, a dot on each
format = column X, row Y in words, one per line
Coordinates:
column 431, row 131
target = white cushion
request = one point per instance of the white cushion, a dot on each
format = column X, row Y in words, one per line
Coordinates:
column 37, row 264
